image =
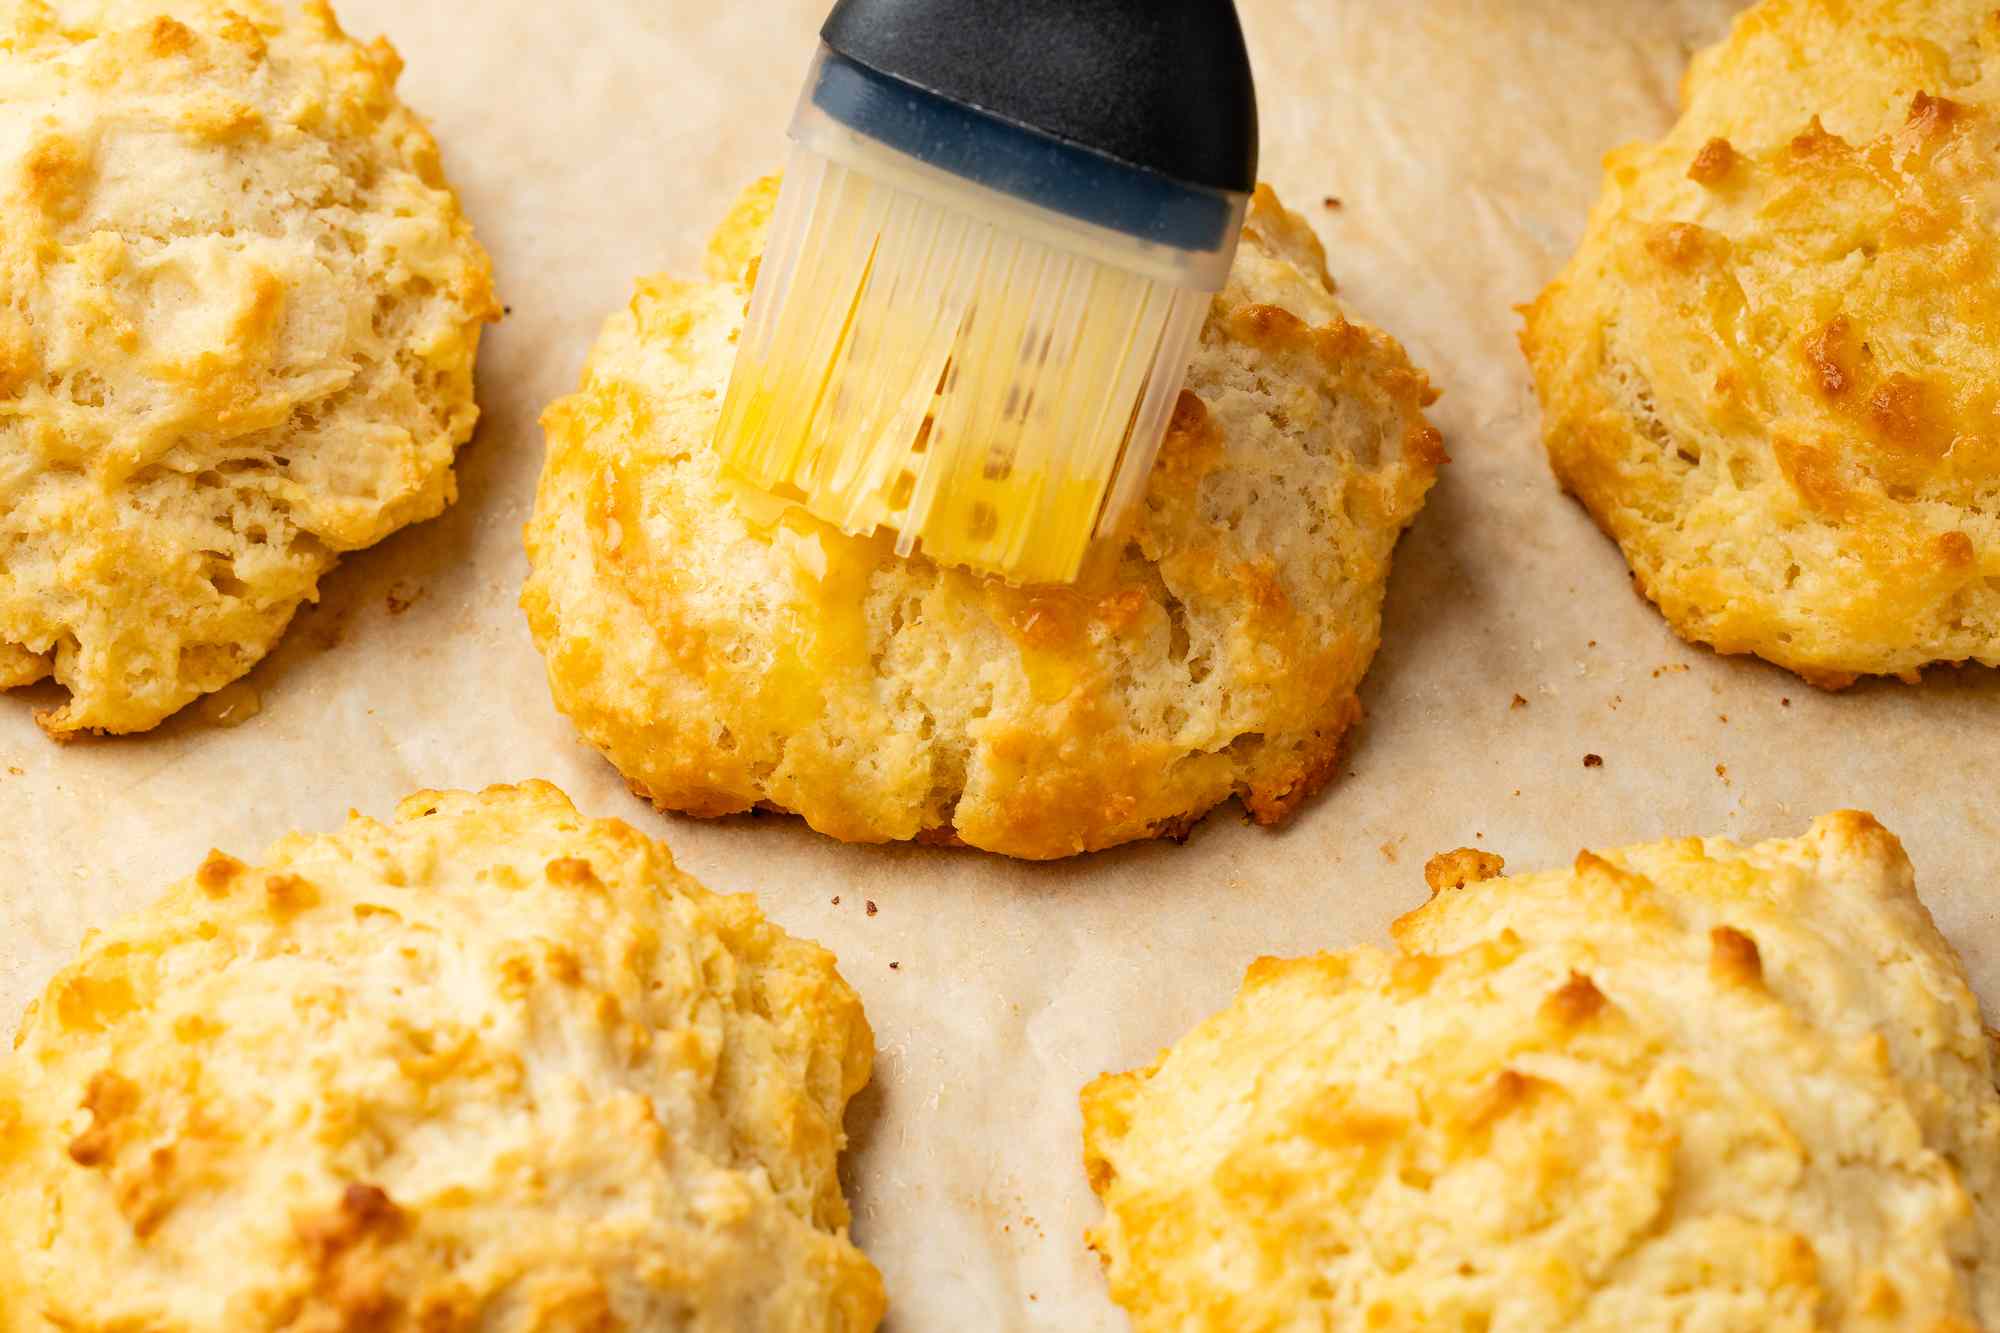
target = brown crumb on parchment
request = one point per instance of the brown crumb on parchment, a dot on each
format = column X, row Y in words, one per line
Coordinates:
column 1333, row 203
column 1456, row 869
column 871, row 907
column 1520, row 701
column 1593, row 761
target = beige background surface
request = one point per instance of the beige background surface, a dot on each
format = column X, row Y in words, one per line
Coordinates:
column 599, row 140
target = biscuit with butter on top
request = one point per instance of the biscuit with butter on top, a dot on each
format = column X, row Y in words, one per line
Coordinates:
column 239, row 310
column 725, row 662
column 489, row 1066
column 1692, row 1085
column 1772, row 372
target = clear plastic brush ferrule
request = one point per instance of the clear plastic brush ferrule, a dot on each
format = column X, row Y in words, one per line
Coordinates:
column 965, row 331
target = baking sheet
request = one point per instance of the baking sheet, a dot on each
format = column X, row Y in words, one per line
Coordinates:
column 596, row 141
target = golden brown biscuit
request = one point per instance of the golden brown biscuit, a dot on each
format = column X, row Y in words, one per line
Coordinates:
column 1772, row 372
column 1683, row 1086
column 724, row 662
column 490, row 1066
column 238, row 315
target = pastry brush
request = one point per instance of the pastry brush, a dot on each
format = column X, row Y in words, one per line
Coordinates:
column 1000, row 228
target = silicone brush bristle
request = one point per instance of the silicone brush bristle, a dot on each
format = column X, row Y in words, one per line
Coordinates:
column 992, row 395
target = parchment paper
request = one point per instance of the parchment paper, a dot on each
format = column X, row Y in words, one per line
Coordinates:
column 598, row 140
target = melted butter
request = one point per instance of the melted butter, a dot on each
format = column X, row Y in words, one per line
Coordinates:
column 231, row 706
column 792, row 694
column 1051, row 632
column 823, row 632
column 1052, row 676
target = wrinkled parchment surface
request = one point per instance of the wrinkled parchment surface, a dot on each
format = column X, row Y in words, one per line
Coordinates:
column 599, row 140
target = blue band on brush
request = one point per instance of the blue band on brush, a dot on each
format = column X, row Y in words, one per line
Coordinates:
column 1022, row 163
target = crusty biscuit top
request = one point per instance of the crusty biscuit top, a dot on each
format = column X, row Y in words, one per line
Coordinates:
column 238, row 315
column 491, row 1066
column 724, row 661
column 1684, row 1086
column 1773, row 370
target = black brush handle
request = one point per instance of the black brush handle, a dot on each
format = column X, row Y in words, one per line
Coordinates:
column 1164, row 85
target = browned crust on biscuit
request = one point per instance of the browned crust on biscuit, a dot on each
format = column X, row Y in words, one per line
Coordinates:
column 1276, row 799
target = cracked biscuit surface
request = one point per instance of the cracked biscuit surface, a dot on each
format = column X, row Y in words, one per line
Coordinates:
column 1772, row 371
column 725, row 664
column 1692, row 1085
column 239, row 310
column 488, row 1066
